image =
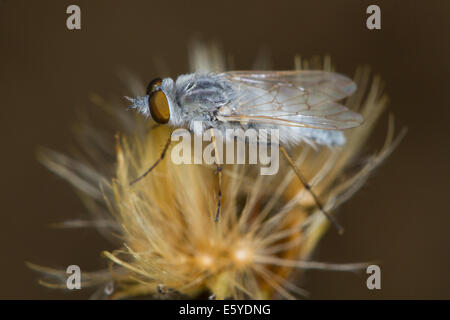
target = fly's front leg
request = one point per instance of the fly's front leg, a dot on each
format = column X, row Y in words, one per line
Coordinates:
column 161, row 157
column 219, row 174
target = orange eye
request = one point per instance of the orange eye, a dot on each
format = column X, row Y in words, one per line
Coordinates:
column 159, row 106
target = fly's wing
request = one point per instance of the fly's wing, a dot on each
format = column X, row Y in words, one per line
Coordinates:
column 292, row 98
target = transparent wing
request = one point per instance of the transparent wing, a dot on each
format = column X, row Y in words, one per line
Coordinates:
column 292, row 98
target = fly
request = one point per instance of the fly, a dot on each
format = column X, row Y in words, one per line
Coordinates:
column 303, row 105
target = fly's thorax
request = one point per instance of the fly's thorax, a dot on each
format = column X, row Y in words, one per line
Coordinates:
column 201, row 96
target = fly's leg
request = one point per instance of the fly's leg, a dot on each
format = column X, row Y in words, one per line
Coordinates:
column 219, row 194
column 219, row 175
column 308, row 188
column 161, row 157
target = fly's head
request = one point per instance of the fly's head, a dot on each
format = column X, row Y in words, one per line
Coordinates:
column 161, row 100
column 159, row 103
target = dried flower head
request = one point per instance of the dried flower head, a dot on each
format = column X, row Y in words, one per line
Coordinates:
column 170, row 244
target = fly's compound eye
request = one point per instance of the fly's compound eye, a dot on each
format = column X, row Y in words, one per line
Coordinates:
column 159, row 106
column 157, row 100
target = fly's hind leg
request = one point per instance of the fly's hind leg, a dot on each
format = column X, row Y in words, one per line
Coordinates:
column 161, row 157
column 219, row 175
column 308, row 188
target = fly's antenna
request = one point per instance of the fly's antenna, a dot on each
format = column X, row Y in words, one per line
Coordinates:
column 302, row 179
column 161, row 157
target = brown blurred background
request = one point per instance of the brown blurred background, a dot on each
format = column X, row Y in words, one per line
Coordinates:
column 401, row 217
